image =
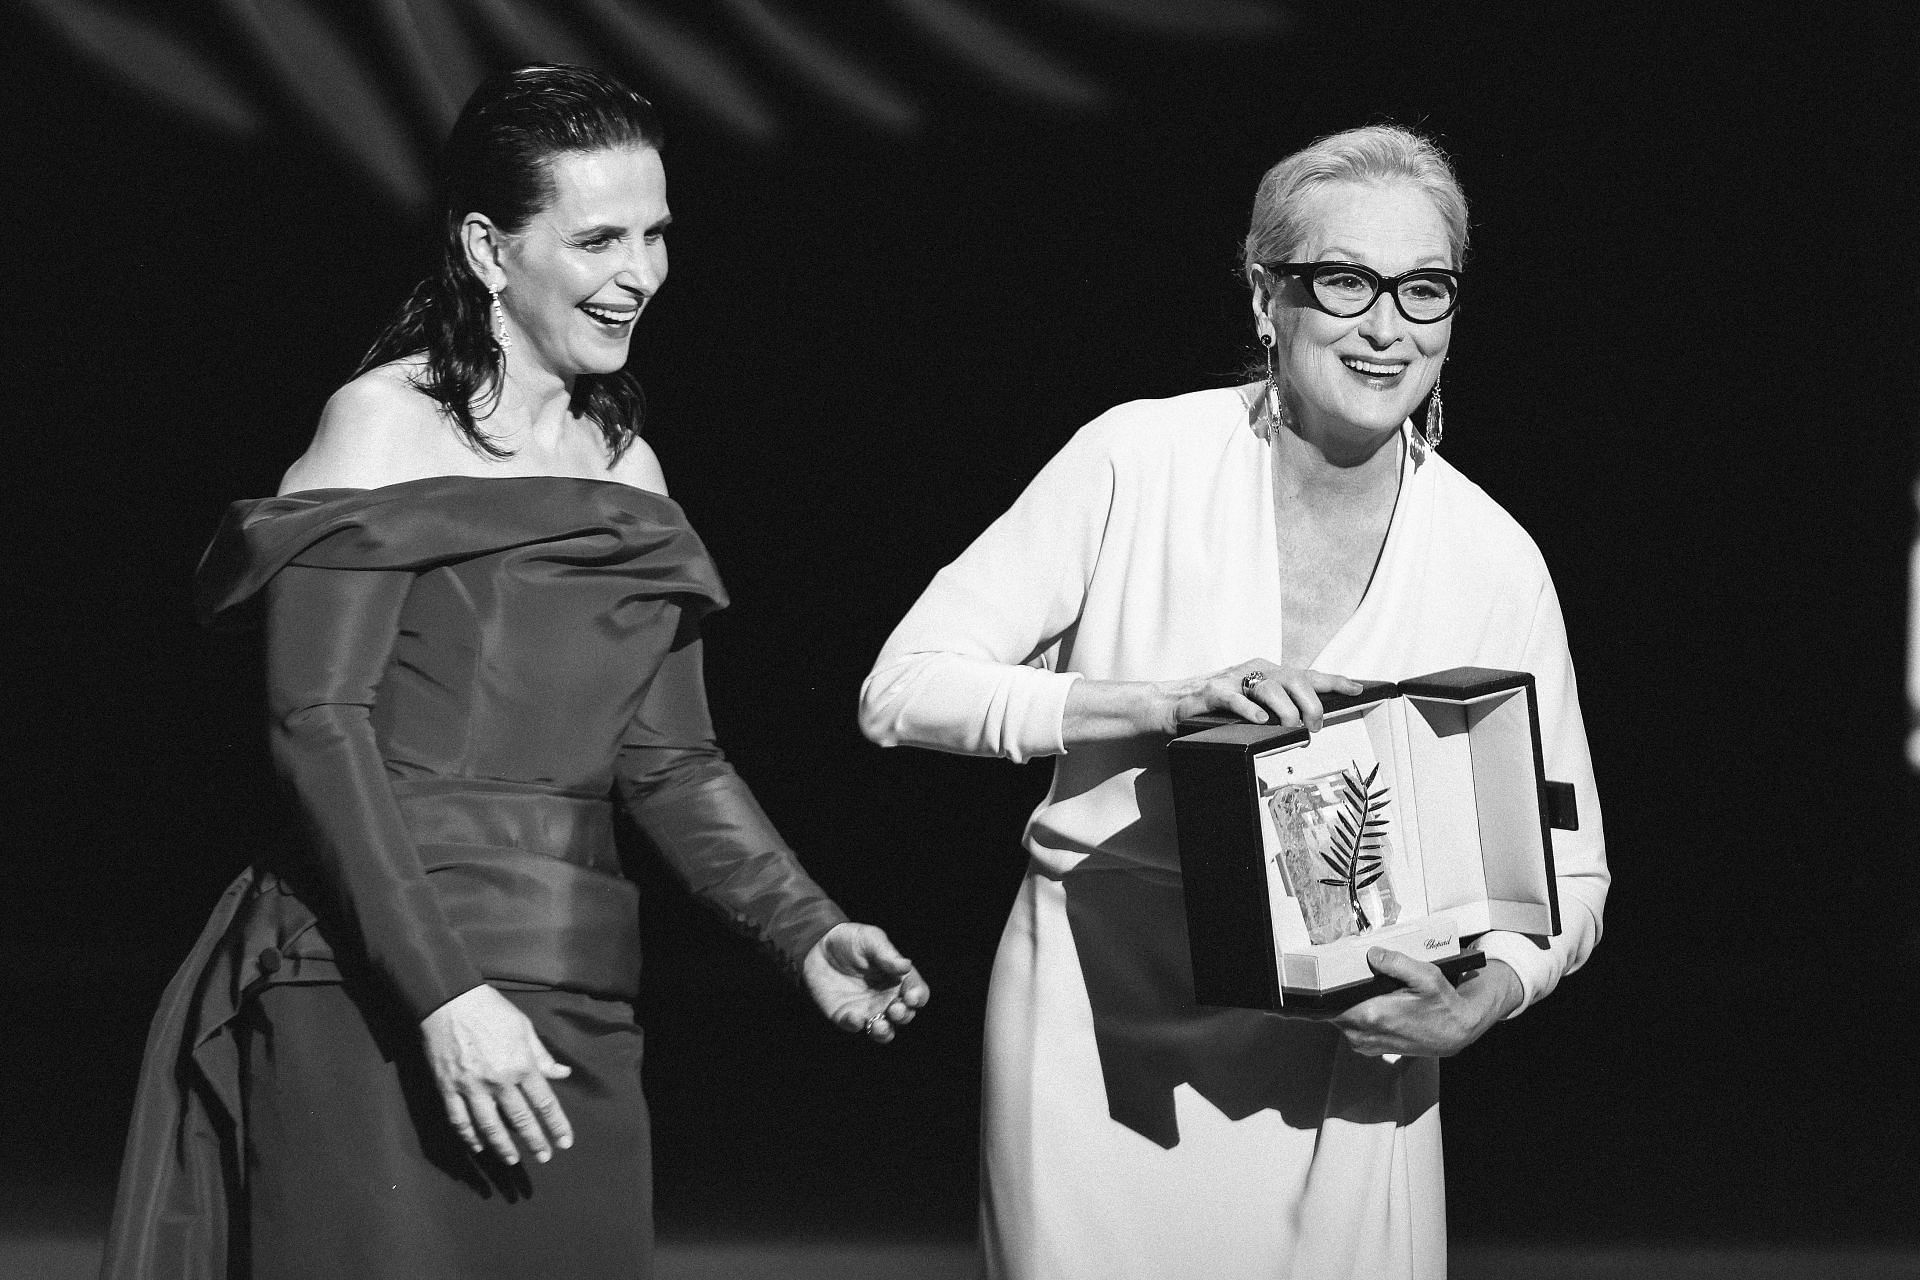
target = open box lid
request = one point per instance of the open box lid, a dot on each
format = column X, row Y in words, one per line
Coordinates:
column 1477, row 730
column 1515, row 807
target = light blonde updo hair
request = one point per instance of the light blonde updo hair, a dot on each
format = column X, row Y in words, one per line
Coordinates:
column 1385, row 153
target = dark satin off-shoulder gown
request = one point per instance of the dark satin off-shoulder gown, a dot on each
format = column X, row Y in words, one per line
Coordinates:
column 463, row 677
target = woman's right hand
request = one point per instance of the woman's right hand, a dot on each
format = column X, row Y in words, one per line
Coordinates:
column 492, row 1073
column 1103, row 710
column 1282, row 695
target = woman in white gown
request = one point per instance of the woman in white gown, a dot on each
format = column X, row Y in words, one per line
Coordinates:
column 1225, row 550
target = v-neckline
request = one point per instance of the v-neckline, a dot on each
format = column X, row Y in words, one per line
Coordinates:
column 1408, row 466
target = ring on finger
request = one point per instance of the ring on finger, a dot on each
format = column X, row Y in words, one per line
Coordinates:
column 872, row 1022
column 1251, row 679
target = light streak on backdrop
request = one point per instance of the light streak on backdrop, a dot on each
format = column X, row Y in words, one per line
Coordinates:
column 1913, row 645
column 257, row 68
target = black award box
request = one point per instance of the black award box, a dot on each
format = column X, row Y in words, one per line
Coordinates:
column 1415, row 820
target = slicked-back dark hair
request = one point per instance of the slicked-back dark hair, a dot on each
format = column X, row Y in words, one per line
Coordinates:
column 498, row 161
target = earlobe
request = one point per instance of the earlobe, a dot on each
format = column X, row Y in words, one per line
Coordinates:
column 1263, row 328
column 1261, row 285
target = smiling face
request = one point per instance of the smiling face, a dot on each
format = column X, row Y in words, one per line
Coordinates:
column 574, row 280
column 1350, row 381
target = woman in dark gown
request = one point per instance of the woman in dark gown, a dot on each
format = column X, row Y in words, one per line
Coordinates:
column 482, row 627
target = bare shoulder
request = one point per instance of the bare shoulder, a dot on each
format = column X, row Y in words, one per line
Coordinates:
column 378, row 429
column 639, row 466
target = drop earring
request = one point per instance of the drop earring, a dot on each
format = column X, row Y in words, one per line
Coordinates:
column 1276, row 410
column 1435, row 428
column 501, row 337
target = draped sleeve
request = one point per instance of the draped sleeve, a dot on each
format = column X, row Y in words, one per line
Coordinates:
column 681, row 791
column 971, row 668
column 329, row 635
column 420, row 524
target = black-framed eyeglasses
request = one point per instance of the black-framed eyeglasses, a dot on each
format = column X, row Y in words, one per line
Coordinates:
column 1347, row 289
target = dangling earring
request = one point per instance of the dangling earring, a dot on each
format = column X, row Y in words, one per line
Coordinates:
column 1434, row 428
column 500, row 334
column 1276, row 408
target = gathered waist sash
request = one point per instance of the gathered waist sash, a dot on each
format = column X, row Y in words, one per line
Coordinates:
column 527, row 876
column 569, row 826
column 529, row 879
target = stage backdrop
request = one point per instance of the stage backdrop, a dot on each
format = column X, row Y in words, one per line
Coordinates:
column 918, row 243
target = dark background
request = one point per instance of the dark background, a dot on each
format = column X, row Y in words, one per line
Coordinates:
column 1686, row 364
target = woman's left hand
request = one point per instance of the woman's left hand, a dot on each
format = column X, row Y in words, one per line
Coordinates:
column 861, row 982
column 1429, row 1017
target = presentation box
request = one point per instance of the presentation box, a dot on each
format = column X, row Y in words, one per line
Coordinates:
column 1415, row 820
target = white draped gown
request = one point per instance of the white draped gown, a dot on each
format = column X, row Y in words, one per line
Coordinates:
column 1126, row 1132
